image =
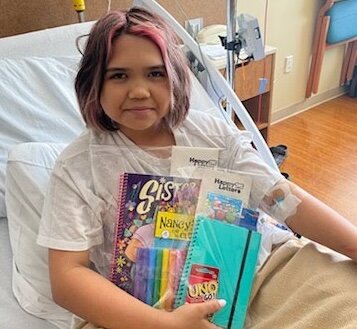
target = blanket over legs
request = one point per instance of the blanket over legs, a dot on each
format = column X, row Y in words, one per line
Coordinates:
column 304, row 286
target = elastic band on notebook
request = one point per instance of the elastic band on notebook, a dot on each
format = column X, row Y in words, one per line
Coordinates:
column 241, row 270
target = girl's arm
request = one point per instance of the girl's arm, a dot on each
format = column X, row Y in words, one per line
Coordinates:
column 316, row 221
column 95, row 299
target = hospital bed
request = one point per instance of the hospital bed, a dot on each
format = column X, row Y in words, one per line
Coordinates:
column 39, row 116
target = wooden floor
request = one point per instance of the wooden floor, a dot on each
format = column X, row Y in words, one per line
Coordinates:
column 322, row 152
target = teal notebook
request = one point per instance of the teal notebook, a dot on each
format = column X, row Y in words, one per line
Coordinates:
column 220, row 263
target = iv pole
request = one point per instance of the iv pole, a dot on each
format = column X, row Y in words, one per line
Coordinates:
column 231, row 45
column 231, row 38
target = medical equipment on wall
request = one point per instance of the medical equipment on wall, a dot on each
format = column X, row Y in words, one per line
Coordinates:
column 79, row 7
column 213, row 80
column 250, row 37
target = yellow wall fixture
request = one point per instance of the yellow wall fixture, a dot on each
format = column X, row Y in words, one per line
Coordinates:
column 79, row 7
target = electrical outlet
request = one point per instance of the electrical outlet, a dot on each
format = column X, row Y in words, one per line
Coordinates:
column 289, row 62
column 193, row 25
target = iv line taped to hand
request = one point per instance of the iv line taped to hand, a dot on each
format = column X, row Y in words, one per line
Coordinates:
column 280, row 202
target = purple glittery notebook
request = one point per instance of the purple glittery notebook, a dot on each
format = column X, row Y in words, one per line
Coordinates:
column 140, row 197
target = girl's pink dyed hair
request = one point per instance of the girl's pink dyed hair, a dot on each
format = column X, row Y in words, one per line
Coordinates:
column 140, row 22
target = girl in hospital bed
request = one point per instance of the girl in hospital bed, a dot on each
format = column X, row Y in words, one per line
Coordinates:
column 133, row 89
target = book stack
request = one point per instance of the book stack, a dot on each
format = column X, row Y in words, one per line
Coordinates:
column 187, row 240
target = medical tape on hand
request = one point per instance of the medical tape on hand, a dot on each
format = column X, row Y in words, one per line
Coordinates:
column 280, row 202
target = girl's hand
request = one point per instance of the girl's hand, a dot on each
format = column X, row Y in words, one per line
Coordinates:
column 193, row 316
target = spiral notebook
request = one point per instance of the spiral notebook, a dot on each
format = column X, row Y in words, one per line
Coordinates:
column 141, row 198
column 227, row 255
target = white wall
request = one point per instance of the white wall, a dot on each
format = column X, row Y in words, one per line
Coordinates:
column 290, row 27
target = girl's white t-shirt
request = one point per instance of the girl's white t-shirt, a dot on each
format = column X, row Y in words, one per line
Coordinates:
column 80, row 207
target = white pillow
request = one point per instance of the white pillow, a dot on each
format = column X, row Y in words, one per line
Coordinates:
column 28, row 170
column 37, row 104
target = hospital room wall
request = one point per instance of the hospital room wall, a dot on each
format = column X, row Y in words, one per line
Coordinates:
column 289, row 26
column 19, row 16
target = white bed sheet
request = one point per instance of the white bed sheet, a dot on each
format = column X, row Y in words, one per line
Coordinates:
column 11, row 315
column 55, row 42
